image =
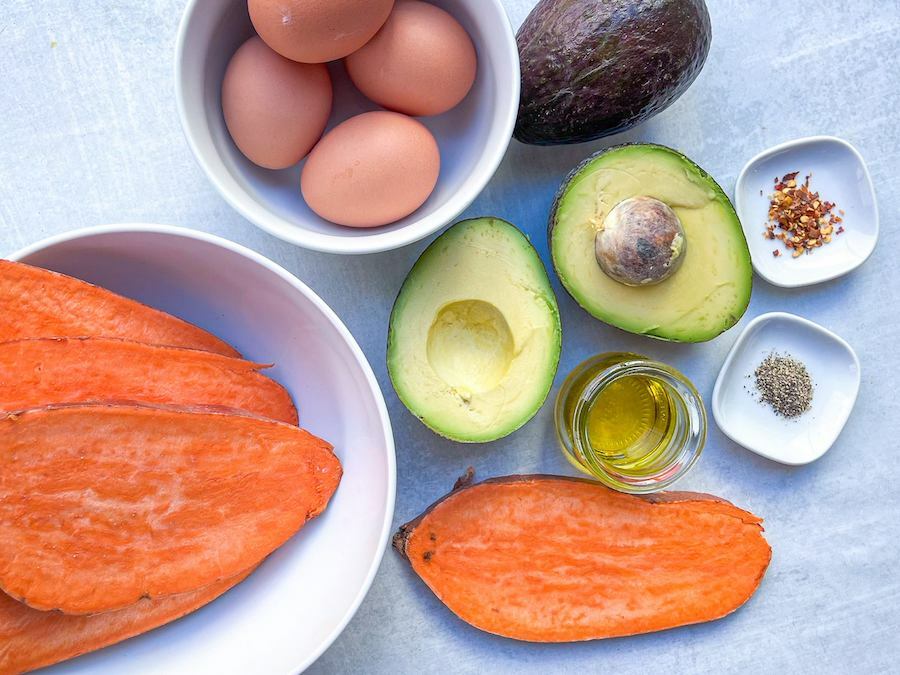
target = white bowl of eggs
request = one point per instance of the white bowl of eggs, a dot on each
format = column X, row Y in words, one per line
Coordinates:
column 348, row 126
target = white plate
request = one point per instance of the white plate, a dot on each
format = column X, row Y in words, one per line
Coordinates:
column 839, row 175
column 290, row 609
column 834, row 370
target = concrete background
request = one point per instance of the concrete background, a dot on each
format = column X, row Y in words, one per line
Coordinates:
column 89, row 134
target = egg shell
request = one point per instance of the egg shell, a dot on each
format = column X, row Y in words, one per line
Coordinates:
column 421, row 62
column 370, row 170
column 316, row 31
column 275, row 109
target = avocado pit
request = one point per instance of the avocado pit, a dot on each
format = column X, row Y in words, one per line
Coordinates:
column 641, row 242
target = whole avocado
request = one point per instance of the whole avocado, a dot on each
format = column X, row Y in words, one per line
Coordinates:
column 591, row 68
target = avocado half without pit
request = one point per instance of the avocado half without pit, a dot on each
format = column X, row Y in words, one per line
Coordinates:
column 475, row 336
column 644, row 239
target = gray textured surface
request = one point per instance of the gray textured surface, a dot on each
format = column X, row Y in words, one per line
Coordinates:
column 90, row 135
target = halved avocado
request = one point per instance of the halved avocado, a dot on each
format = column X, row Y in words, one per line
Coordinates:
column 703, row 296
column 474, row 337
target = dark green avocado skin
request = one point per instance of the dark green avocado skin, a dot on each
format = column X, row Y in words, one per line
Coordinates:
column 591, row 68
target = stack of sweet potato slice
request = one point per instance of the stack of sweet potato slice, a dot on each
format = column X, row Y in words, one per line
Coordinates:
column 145, row 468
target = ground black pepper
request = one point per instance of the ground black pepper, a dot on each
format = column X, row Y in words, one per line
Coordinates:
column 784, row 383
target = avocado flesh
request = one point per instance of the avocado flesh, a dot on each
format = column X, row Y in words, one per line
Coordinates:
column 705, row 296
column 475, row 335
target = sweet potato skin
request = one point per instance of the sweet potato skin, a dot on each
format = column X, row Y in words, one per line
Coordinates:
column 557, row 559
column 35, row 302
column 31, row 639
column 106, row 504
column 47, row 371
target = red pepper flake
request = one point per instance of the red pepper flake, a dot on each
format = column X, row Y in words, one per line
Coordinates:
column 776, row 253
column 805, row 221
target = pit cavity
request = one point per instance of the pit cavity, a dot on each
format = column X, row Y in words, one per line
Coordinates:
column 470, row 346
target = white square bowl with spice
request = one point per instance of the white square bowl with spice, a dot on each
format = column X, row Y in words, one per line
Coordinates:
column 797, row 345
column 837, row 176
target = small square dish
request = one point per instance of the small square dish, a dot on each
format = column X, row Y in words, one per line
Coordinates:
column 839, row 174
column 833, row 368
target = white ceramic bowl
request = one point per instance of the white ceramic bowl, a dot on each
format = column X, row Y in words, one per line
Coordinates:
column 833, row 367
column 287, row 613
column 473, row 137
column 839, row 175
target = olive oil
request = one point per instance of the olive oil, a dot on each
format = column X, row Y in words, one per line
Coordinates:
column 629, row 421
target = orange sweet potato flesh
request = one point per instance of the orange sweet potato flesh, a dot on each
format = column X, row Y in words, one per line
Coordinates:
column 553, row 559
column 35, row 302
column 30, row 638
column 44, row 371
column 106, row 504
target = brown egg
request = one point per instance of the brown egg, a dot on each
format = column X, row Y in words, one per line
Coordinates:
column 316, row 31
column 371, row 170
column 275, row 109
column 422, row 61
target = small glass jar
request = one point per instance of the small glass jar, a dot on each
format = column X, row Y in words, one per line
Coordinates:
column 635, row 424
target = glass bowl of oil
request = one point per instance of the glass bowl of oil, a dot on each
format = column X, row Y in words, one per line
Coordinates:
column 635, row 424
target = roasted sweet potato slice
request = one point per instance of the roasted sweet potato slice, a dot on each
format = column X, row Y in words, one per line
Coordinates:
column 101, row 505
column 45, row 371
column 35, row 302
column 30, row 638
column 553, row 559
